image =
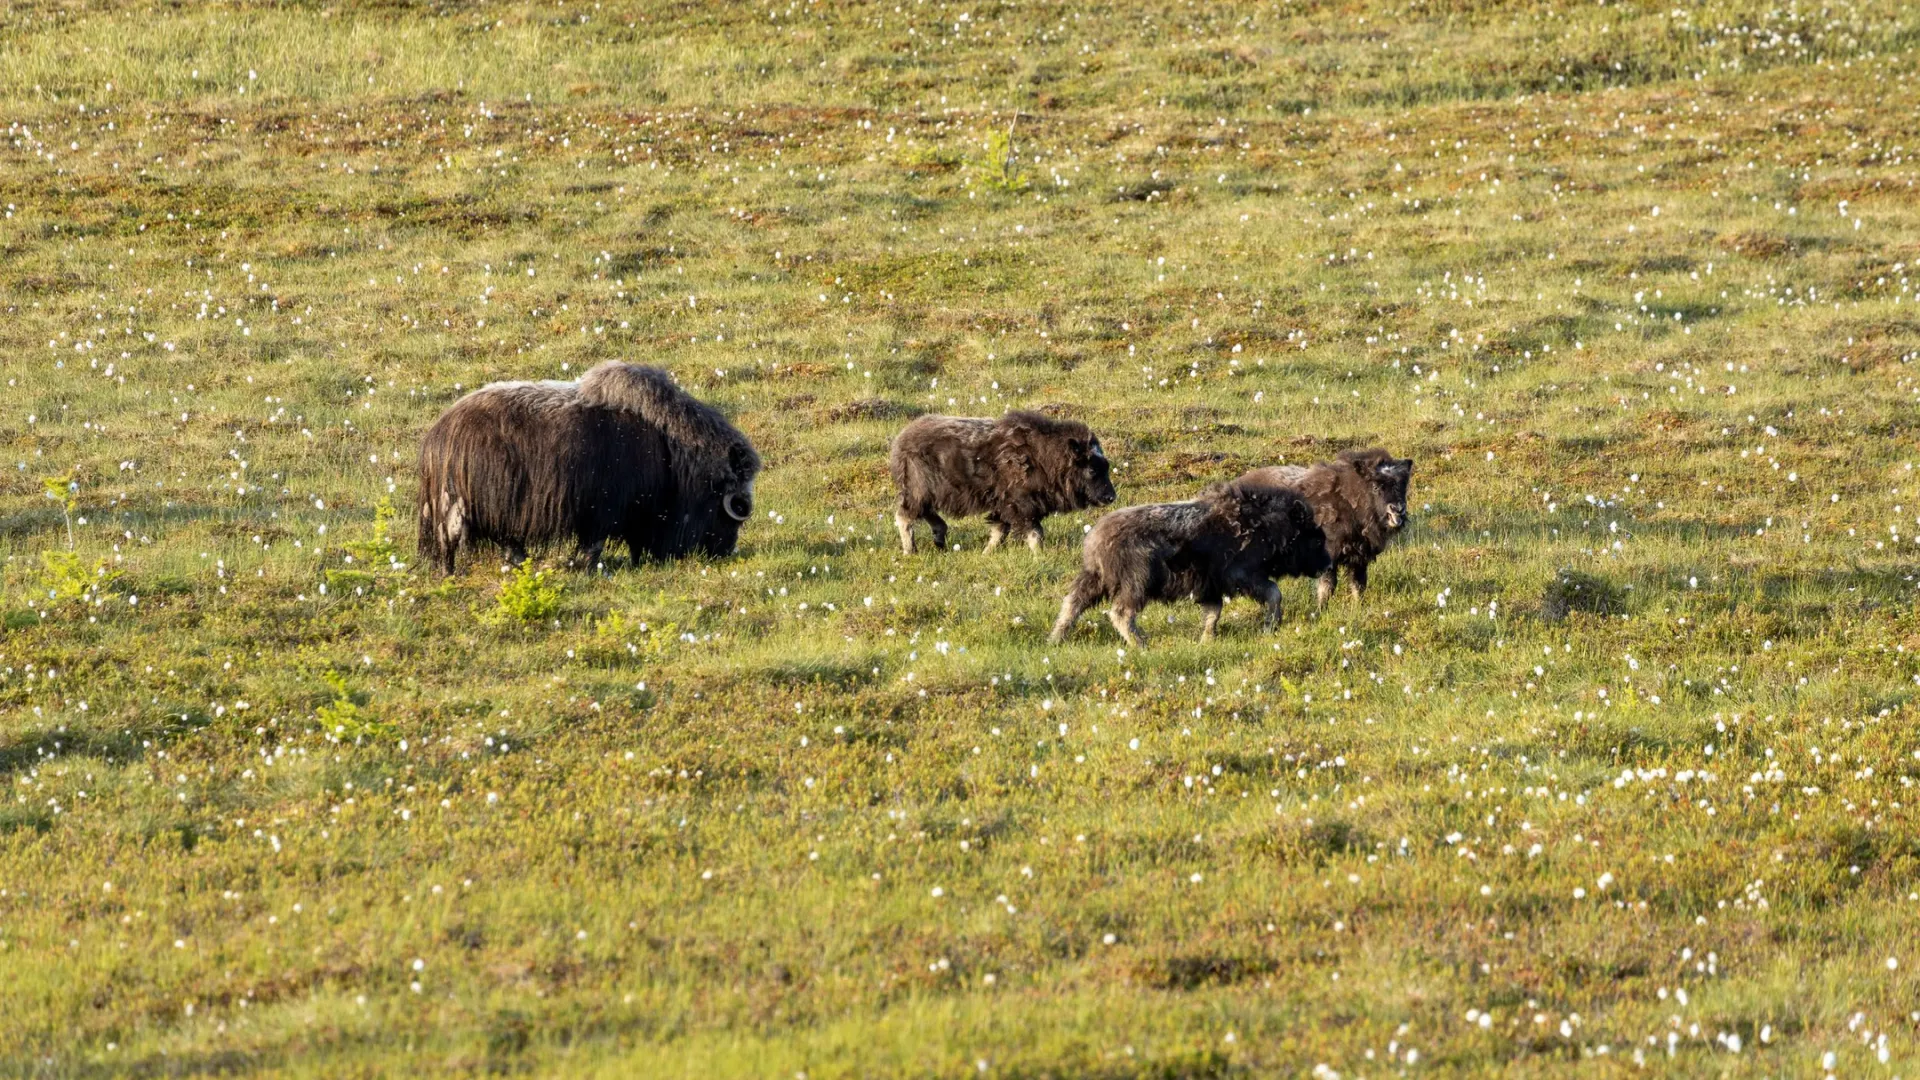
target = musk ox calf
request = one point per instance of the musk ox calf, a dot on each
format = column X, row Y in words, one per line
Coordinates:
column 1231, row 541
column 1016, row 470
column 1359, row 501
column 622, row 454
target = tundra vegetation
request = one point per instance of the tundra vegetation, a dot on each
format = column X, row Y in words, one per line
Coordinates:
column 1613, row 766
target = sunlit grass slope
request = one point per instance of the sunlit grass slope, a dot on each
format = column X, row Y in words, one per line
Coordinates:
column 1613, row 767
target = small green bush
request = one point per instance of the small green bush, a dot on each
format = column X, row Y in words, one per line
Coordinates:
column 529, row 596
column 345, row 717
column 997, row 166
column 66, row 576
column 374, row 560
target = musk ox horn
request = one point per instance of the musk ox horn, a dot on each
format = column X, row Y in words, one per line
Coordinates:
column 737, row 508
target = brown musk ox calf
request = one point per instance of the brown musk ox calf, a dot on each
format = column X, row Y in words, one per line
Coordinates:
column 1016, row 470
column 1231, row 541
column 1359, row 501
column 622, row 454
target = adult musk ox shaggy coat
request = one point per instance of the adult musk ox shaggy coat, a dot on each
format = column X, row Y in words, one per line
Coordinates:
column 623, row 453
column 1231, row 541
column 1359, row 500
column 1016, row 470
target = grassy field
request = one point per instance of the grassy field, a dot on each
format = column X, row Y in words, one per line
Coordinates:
column 1613, row 769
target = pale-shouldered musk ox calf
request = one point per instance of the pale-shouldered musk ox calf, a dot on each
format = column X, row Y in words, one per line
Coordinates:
column 621, row 454
column 1231, row 541
column 1359, row 500
column 1016, row 470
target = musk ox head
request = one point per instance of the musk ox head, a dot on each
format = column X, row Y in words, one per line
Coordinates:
column 1093, row 474
column 1389, row 477
column 732, row 504
column 713, row 464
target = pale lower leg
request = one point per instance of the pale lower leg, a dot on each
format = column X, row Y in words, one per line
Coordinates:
column 1070, row 610
column 1323, row 588
column 1210, row 620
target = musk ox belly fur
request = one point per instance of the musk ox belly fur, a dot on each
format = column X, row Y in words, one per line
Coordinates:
column 1016, row 470
column 1231, row 541
column 1359, row 501
column 622, row 454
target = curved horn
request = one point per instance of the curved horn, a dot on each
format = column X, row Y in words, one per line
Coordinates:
column 733, row 511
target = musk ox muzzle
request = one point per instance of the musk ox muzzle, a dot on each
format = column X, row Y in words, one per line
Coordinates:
column 623, row 454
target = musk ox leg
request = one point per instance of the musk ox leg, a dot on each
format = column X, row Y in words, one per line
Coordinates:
column 1033, row 537
column 1210, row 618
column 1084, row 592
column 1323, row 588
column 515, row 552
column 903, row 522
column 996, row 535
column 1357, row 579
column 590, row 553
column 1122, row 618
column 939, row 527
column 1270, row 596
column 447, row 529
column 640, row 546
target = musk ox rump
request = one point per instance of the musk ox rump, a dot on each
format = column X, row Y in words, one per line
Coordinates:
column 1016, row 470
column 621, row 454
column 1359, row 500
column 1231, row 541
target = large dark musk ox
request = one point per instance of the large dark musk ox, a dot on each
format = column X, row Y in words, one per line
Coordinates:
column 1016, row 470
column 1359, row 500
column 1231, row 541
column 622, row 454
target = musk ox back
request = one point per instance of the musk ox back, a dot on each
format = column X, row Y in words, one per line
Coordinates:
column 1231, row 541
column 1359, row 500
column 1016, row 470
column 622, row 454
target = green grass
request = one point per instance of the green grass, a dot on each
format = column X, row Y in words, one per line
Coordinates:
column 1627, row 715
